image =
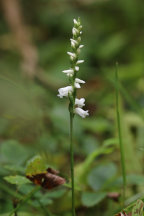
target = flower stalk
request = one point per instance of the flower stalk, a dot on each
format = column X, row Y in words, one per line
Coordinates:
column 75, row 104
column 120, row 135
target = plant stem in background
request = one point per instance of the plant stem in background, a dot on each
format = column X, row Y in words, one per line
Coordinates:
column 72, row 164
column 15, row 203
column 119, row 134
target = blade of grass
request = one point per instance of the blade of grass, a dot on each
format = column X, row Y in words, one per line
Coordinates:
column 130, row 100
column 119, row 134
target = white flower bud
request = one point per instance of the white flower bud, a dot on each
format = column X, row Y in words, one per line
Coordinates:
column 75, row 31
column 78, row 82
column 79, row 39
column 81, row 46
column 73, row 55
column 77, row 68
column 81, row 112
column 63, row 92
column 75, row 22
column 73, row 43
column 69, row 72
column 80, row 61
column 80, row 102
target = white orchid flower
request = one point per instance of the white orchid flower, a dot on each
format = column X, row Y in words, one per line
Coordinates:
column 63, row 92
column 80, row 61
column 75, row 31
column 72, row 55
column 80, row 102
column 81, row 46
column 78, row 82
column 81, row 112
column 77, row 68
column 73, row 43
column 69, row 72
column 75, row 22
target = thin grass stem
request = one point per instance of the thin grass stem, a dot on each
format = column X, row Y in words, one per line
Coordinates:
column 72, row 164
column 120, row 135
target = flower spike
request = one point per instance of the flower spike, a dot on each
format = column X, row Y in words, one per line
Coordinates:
column 75, row 104
column 81, row 112
column 75, row 83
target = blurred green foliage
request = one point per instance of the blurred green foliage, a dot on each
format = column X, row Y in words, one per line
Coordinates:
column 33, row 120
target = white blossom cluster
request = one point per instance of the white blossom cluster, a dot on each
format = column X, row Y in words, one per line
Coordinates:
column 76, row 104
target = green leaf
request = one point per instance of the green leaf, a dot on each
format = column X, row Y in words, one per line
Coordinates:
column 90, row 199
column 17, row 179
column 100, row 176
column 15, row 168
column 43, row 201
column 132, row 179
column 98, row 125
column 138, row 208
column 55, row 194
column 35, row 166
column 83, row 168
column 112, row 45
column 13, row 152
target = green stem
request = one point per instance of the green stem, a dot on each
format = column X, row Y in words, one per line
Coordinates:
column 119, row 134
column 72, row 164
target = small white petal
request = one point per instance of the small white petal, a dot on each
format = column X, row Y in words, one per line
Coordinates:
column 69, row 72
column 77, row 85
column 75, row 21
column 81, row 112
column 73, row 43
column 75, row 31
column 80, row 32
column 81, row 46
column 63, row 92
column 80, row 61
column 72, row 55
column 77, row 68
column 80, row 102
column 79, row 80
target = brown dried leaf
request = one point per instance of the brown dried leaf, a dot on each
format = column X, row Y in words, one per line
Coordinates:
column 48, row 180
